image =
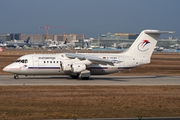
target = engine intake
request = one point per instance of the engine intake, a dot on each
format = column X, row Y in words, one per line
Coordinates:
column 66, row 66
column 78, row 67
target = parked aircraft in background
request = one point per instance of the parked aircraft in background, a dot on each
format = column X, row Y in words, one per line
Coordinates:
column 37, row 43
column 55, row 45
column 62, row 45
column 2, row 44
column 16, row 44
column 85, row 64
column 87, row 46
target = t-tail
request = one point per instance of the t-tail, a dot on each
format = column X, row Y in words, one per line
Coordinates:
column 87, row 44
column 27, row 40
column 65, row 42
column 144, row 45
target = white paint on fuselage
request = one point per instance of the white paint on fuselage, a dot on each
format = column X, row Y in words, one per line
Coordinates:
column 49, row 64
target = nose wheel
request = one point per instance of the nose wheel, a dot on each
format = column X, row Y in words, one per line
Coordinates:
column 16, row 77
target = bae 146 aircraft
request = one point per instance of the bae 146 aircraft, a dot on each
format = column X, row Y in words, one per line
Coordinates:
column 85, row 64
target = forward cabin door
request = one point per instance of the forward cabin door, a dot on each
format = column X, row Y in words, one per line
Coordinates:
column 35, row 63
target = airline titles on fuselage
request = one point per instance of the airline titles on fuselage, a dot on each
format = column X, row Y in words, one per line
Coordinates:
column 47, row 58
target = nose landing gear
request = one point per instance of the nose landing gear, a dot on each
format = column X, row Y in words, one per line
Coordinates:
column 16, row 77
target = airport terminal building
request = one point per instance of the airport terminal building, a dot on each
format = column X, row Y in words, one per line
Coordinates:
column 124, row 40
column 116, row 40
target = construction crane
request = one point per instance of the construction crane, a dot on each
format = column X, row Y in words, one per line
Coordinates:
column 47, row 28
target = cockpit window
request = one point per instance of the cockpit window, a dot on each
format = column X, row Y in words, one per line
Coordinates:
column 26, row 61
column 18, row 60
column 22, row 61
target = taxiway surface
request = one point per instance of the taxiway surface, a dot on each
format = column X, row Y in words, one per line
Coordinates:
column 6, row 80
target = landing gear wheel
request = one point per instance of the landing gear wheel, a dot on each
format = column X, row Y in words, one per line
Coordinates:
column 16, row 77
column 85, row 75
column 85, row 78
column 75, row 76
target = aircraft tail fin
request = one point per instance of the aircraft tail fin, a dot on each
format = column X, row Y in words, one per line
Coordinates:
column 144, row 44
column 87, row 44
column 1, row 41
column 27, row 40
column 65, row 42
column 15, row 40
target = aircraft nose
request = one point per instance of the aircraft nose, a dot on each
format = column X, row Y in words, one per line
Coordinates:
column 6, row 69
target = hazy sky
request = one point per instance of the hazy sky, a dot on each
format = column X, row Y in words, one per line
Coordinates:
column 89, row 17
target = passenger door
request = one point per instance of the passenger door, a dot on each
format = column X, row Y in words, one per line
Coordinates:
column 35, row 62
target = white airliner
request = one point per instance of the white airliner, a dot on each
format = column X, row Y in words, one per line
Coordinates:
column 85, row 64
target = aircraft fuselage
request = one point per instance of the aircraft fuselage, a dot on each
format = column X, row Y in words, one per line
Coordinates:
column 50, row 64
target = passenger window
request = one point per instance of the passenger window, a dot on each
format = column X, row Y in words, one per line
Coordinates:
column 22, row 61
column 54, row 61
column 57, row 61
column 47, row 61
column 18, row 61
column 26, row 61
column 50, row 61
column 44, row 61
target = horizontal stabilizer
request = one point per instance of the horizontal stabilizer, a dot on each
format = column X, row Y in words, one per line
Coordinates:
column 158, row 32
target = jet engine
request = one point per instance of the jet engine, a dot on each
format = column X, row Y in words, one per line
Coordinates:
column 66, row 66
column 78, row 67
column 75, row 67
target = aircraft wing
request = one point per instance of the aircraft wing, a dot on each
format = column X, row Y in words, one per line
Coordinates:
column 93, row 59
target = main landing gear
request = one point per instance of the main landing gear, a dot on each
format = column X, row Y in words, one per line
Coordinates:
column 16, row 77
column 75, row 76
column 84, row 75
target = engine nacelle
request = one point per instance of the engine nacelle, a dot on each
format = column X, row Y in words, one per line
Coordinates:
column 78, row 67
column 66, row 66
